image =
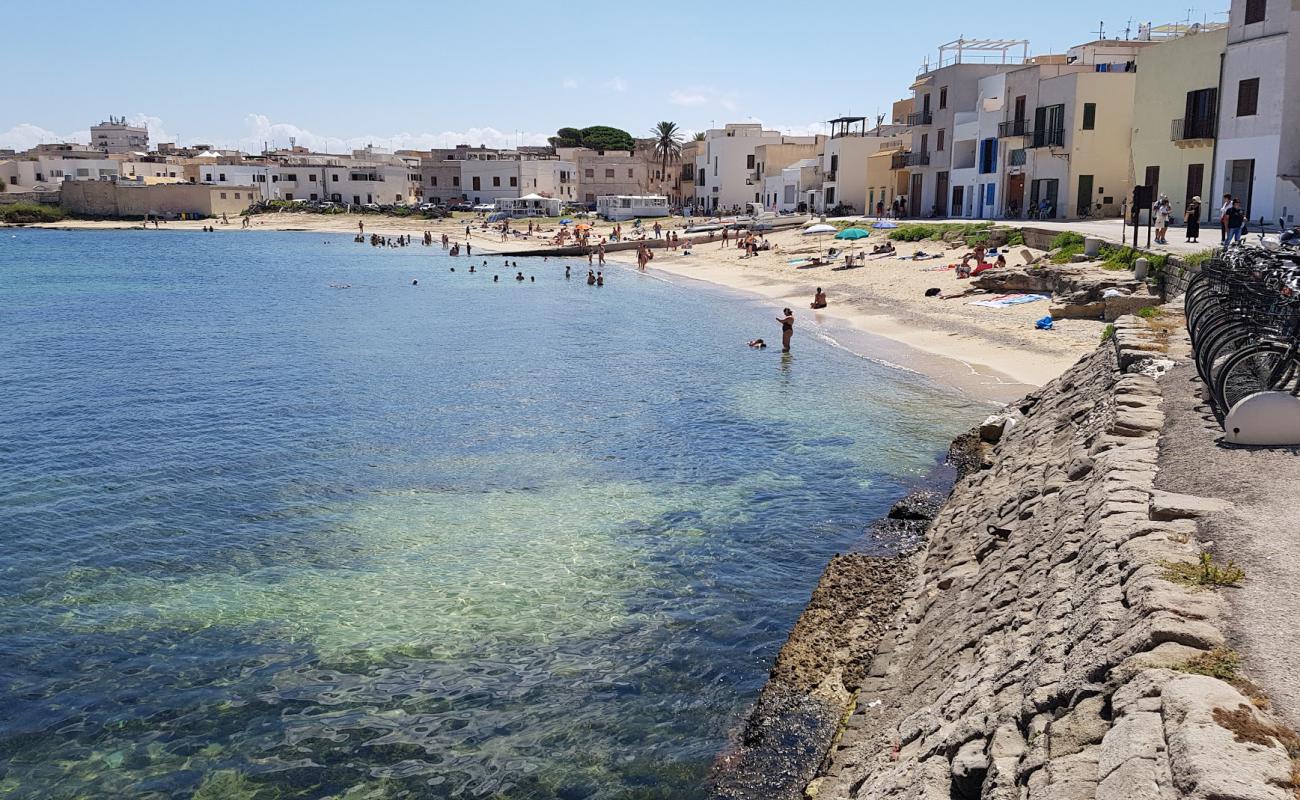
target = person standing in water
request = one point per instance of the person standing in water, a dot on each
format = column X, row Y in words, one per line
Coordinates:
column 787, row 329
column 591, row 278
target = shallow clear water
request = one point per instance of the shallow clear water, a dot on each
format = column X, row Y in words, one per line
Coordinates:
column 463, row 539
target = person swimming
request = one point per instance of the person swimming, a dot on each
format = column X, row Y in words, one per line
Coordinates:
column 415, row 282
column 600, row 279
column 532, row 279
column 519, row 276
column 471, row 267
column 591, row 278
column 453, row 269
column 757, row 344
column 496, row 278
column 566, row 271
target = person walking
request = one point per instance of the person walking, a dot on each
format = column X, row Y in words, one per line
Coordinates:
column 1236, row 219
column 1192, row 217
column 1223, row 217
column 1161, row 211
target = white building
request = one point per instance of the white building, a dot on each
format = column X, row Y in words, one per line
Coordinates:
column 530, row 205
column 46, row 172
column 484, row 182
column 785, row 191
column 726, row 169
column 617, row 207
column 115, row 136
column 1258, row 155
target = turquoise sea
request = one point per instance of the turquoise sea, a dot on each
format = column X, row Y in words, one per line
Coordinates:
column 262, row 537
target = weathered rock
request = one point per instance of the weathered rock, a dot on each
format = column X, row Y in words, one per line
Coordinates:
column 1169, row 506
column 1122, row 305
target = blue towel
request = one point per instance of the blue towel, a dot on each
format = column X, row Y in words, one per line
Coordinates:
column 1044, row 324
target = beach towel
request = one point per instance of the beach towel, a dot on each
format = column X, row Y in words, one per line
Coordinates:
column 1004, row 300
column 1044, row 324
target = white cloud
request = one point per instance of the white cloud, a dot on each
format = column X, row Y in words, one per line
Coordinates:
column 157, row 133
column 570, row 83
column 25, row 136
column 260, row 129
column 697, row 96
column 616, row 84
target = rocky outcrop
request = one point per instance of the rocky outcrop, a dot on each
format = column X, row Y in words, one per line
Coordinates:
column 1078, row 291
column 1041, row 652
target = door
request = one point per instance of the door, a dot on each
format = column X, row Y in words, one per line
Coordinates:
column 1083, row 201
column 957, row 195
column 925, row 107
column 1195, row 178
column 1153, row 180
column 914, row 197
column 941, row 194
column 1020, row 114
column 1015, row 195
column 1241, row 179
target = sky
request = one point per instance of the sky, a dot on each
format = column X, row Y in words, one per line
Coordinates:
column 339, row 75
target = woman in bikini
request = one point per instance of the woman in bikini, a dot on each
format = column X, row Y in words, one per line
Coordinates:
column 787, row 329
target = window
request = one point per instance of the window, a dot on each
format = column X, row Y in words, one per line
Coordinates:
column 988, row 155
column 749, row 161
column 609, row 173
column 236, row 195
column 715, row 167
column 455, row 180
column 943, row 98
column 207, row 177
column 476, row 183
column 223, row 195
column 938, row 139
column 313, row 196
column 1247, row 97
column 433, row 180
column 835, row 163
column 629, row 172
column 496, row 180
column 1089, row 116
column 311, row 178
column 514, row 181
column 276, row 179
column 589, row 172
column 1255, row 11
column 288, row 196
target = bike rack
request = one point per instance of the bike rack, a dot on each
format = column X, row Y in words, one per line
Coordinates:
column 1271, row 419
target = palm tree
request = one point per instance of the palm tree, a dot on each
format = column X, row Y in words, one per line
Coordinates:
column 698, row 137
column 668, row 144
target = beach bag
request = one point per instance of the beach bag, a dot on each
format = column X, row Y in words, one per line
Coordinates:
column 1044, row 324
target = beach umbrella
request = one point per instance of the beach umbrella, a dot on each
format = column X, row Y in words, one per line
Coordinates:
column 885, row 224
column 566, row 221
column 852, row 233
column 819, row 228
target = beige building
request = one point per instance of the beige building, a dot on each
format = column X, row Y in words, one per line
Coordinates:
column 170, row 200
column 771, row 160
column 845, row 159
column 1175, row 117
column 887, row 177
column 606, row 172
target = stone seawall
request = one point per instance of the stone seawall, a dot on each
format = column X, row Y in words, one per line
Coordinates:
column 1040, row 650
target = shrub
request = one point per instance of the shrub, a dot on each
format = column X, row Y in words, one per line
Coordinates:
column 912, row 233
column 1203, row 573
column 1223, row 663
column 30, row 212
column 1067, row 239
column 1108, row 332
column 1149, row 312
column 1016, row 238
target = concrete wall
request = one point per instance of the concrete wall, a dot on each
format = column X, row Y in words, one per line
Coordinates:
column 105, row 199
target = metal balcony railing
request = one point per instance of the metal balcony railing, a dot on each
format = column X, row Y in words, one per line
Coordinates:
column 829, row 177
column 920, row 118
column 1192, row 128
column 905, row 160
column 1014, row 127
column 1052, row 137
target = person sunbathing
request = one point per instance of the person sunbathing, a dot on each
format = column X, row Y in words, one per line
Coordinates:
column 819, row 299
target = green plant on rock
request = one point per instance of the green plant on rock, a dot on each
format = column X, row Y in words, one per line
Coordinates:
column 1149, row 312
column 1205, row 572
column 1223, row 663
column 1067, row 239
column 1016, row 238
column 1108, row 332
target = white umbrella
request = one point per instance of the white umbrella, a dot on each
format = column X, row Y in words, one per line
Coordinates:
column 819, row 228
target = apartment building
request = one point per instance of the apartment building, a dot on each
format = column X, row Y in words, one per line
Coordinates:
column 489, row 180
column 44, row 167
column 440, row 181
column 726, row 169
column 939, row 92
column 1175, row 116
column 774, row 158
column 602, row 173
column 1257, row 155
column 116, row 136
column 845, row 157
column 788, row 191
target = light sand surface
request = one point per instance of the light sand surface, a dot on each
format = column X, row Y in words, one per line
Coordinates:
column 994, row 353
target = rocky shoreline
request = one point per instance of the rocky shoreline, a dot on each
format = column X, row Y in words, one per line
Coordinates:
column 1037, row 646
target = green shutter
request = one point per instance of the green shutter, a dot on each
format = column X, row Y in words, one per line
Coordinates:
column 1089, row 116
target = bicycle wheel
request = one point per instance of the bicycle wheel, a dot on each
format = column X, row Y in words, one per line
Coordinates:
column 1261, row 367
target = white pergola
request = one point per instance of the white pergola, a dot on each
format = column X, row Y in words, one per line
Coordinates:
column 981, row 51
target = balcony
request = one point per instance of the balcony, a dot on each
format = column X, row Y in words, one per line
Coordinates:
column 920, row 118
column 906, row 160
column 829, row 177
column 1192, row 129
column 1052, row 137
column 1014, row 127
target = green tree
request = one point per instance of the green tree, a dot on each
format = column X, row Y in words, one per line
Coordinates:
column 566, row 137
column 668, row 144
column 603, row 137
column 698, row 137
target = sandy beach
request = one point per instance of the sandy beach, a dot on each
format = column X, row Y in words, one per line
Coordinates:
column 992, row 353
